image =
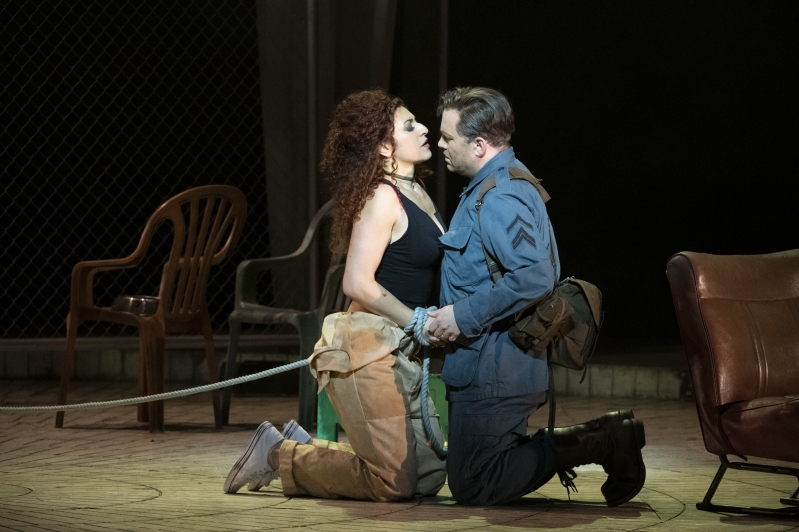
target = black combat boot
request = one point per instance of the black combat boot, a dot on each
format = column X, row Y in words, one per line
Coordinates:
column 626, row 472
column 597, row 423
column 615, row 445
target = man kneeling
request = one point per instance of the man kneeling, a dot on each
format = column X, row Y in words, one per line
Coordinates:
column 493, row 385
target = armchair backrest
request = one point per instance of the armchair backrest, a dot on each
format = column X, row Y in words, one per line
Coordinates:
column 207, row 223
column 739, row 322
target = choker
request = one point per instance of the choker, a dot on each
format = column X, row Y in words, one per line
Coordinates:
column 411, row 179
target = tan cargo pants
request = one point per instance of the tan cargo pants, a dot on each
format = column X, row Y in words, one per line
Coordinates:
column 363, row 361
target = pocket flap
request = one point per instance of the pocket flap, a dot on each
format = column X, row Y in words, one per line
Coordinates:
column 593, row 296
column 456, row 238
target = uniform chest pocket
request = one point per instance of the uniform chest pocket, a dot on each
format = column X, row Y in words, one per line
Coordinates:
column 457, row 238
column 463, row 264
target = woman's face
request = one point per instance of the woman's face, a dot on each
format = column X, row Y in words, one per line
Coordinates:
column 411, row 142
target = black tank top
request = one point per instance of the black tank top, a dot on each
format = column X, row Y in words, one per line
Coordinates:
column 410, row 264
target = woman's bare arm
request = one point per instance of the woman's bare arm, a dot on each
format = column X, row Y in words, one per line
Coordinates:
column 381, row 219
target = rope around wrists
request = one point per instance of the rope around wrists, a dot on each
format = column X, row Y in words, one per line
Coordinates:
column 412, row 323
column 415, row 327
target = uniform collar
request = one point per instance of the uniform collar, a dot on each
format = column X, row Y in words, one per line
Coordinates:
column 503, row 158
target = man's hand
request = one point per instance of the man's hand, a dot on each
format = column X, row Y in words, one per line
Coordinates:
column 443, row 324
column 432, row 340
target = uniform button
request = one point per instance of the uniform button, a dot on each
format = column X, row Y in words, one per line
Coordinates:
column 475, row 331
column 501, row 168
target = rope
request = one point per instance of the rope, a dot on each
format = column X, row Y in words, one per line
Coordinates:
column 440, row 450
column 160, row 396
column 416, row 325
column 437, row 446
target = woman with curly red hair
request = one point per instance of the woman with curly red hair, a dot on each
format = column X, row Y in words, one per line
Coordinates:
column 388, row 227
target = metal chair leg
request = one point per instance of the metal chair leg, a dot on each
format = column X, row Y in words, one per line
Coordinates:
column 231, row 367
column 708, row 506
column 793, row 499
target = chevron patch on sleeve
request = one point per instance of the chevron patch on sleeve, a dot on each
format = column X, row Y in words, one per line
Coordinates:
column 523, row 236
column 518, row 221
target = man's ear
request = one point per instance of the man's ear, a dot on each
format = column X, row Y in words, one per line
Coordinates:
column 480, row 147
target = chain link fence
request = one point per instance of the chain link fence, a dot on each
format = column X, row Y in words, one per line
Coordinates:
column 108, row 109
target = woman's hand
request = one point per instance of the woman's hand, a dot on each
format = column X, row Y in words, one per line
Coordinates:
column 432, row 340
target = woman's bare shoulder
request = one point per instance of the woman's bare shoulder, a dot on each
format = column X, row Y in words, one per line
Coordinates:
column 383, row 202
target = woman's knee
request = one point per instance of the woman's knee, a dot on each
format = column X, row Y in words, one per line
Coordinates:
column 430, row 484
column 401, row 490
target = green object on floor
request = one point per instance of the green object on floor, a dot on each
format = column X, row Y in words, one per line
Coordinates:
column 438, row 393
column 327, row 422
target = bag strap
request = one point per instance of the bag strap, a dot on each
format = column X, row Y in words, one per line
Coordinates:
column 493, row 268
column 551, row 400
column 488, row 184
column 496, row 274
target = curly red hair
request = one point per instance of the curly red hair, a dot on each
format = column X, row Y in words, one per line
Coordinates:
column 351, row 160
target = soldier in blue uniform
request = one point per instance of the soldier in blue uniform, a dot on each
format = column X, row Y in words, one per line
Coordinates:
column 492, row 384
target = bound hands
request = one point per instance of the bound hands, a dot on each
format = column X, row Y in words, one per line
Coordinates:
column 441, row 325
column 433, row 340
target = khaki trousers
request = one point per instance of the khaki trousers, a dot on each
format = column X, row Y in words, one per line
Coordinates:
column 364, row 361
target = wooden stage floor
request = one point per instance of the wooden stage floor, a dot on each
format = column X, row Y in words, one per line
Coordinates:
column 106, row 472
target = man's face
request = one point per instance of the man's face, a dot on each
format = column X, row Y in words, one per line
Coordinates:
column 458, row 152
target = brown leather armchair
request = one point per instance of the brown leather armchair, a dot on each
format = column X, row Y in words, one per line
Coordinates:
column 739, row 322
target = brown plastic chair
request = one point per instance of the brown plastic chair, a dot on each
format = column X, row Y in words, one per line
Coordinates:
column 739, row 322
column 308, row 323
column 207, row 223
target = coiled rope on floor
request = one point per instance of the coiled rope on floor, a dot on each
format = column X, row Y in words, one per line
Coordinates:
column 159, row 396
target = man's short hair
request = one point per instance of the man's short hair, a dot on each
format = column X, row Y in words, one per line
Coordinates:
column 483, row 113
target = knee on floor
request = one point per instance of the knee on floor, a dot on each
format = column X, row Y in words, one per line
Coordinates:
column 468, row 491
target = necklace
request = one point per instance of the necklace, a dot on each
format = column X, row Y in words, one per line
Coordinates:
column 411, row 179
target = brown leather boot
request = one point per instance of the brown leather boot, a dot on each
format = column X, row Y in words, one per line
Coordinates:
column 615, row 446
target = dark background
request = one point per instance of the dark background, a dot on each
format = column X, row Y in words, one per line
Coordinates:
column 107, row 109
column 657, row 127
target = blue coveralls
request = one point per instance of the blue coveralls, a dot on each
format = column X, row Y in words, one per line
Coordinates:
column 492, row 385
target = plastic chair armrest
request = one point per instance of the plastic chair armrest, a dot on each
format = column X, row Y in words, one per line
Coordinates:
column 247, row 276
column 82, row 286
column 248, row 270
